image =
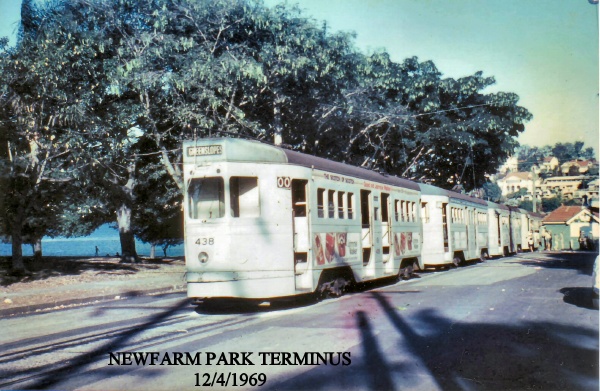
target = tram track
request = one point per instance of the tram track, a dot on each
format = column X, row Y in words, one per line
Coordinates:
column 33, row 374
column 92, row 360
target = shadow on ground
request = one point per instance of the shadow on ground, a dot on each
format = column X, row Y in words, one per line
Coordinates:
column 583, row 262
column 426, row 350
column 582, row 297
column 409, row 350
column 48, row 267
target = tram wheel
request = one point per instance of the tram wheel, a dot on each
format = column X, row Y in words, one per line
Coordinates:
column 484, row 256
column 456, row 261
column 407, row 272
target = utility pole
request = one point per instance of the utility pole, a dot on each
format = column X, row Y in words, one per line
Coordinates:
column 533, row 179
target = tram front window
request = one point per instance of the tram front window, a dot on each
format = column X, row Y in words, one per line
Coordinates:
column 207, row 198
column 244, row 197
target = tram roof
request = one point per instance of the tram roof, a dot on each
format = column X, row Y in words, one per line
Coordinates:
column 318, row 163
column 437, row 191
column 497, row 206
column 240, row 150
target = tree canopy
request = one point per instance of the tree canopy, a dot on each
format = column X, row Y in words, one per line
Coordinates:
column 100, row 94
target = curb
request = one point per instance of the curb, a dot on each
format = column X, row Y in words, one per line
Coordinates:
column 64, row 304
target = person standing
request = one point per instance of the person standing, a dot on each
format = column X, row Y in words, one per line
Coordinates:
column 530, row 241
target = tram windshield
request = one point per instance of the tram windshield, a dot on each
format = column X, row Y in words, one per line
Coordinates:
column 206, row 198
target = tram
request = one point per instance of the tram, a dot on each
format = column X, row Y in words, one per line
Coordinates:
column 499, row 230
column 456, row 226
column 263, row 222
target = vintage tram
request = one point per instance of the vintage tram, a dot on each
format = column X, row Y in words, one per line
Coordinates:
column 262, row 221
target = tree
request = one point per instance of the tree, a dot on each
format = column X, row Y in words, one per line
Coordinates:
column 40, row 113
column 549, row 204
column 122, row 84
column 492, row 191
column 568, row 151
column 158, row 217
column 406, row 120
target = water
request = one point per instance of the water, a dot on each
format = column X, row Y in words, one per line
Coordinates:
column 105, row 237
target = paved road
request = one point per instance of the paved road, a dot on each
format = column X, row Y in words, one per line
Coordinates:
column 524, row 322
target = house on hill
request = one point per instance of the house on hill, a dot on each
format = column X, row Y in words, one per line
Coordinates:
column 549, row 164
column 510, row 165
column 578, row 166
column 568, row 224
column 565, row 186
column 515, row 181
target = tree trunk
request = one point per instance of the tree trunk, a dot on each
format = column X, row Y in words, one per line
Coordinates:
column 124, row 212
column 152, row 251
column 37, row 249
column 17, row 249
column 18, row 265
column 126, row 236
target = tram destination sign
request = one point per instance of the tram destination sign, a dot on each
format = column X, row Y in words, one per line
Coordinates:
column 205, row 150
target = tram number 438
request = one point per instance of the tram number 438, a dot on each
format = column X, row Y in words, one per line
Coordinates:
column 205, row 241
column 284, row 182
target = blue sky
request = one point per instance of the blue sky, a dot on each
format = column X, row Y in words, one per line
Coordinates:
column 546, row 51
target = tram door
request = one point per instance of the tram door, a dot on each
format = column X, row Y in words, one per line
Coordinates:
column 386, row 227
column 367, row 225
column 497, row 215
column 300, row 229
column 445, row 227
column 472, row 234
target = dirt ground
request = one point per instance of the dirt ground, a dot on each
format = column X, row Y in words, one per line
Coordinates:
column 55, row 279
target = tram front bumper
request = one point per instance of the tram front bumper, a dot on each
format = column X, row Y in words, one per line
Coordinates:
column 248, row 285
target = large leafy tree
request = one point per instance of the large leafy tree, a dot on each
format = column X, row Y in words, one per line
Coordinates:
column 102, row 94
column 65, row 122
column 41, row 116
column 403, row 118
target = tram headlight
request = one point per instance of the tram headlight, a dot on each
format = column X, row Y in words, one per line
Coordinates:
column 203, row 257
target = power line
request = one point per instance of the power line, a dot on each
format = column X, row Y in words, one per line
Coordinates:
column 416, row 115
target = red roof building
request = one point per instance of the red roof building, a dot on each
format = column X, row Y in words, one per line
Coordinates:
column 568, row 224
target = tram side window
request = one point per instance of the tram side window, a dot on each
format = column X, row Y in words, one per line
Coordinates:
column 445, row 225
column 206, row 198
column 424, row 212
column 340, row 204
column 331, row 206
column 350, row 207
column 385, row 199
column 299, row 197
column 321, row 202
column 244, row 197
column 402, row 211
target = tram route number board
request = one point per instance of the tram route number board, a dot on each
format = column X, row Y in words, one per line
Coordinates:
column 284, row 182
column 205, row 150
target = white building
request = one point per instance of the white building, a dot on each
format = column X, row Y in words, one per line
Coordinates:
column 549, row 164
column 510, row 165
column 515, row 181
column 563, row 185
